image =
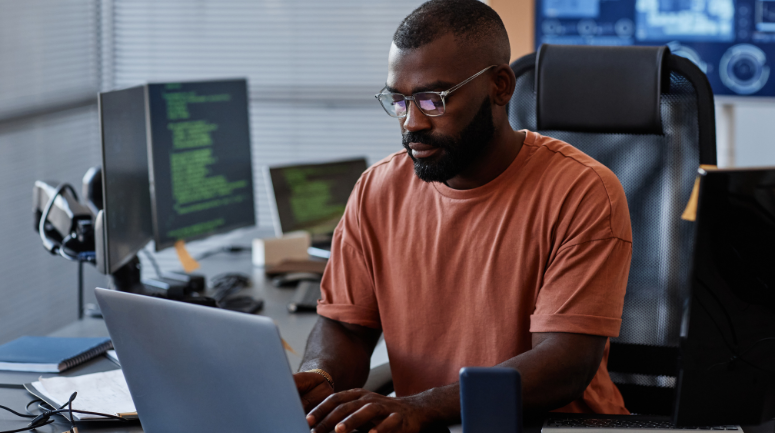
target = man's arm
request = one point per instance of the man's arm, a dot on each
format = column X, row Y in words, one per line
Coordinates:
column 343, row 351
column 555, row 372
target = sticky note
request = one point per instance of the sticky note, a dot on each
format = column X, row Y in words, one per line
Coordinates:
column 288, row 347
column 188, row 262
column 690, row 213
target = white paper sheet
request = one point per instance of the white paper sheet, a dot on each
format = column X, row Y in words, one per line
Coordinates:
column 105, row 392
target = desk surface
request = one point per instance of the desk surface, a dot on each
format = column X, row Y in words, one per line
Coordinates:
column 293, row 327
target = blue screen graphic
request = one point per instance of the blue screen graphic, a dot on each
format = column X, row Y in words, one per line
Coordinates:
column 732, row 41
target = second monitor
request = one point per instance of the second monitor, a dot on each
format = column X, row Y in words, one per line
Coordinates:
column 176, row 166
column 312, row 197
column 200, row 171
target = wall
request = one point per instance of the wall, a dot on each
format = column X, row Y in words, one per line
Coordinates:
column 518, row 17
column 754, row 133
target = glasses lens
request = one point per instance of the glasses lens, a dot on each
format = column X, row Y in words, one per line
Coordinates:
column 430, row 103
column 394, row 104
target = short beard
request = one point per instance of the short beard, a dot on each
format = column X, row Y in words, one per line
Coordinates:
column 458, row 153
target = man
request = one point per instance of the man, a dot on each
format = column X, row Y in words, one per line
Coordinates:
column 477, row 245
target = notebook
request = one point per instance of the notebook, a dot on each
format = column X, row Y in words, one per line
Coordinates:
column 105, row 392
column 50, row 354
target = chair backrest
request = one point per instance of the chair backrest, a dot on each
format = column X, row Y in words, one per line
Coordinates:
column 657, row 171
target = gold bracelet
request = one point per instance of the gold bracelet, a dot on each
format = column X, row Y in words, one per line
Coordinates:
column 325, row 375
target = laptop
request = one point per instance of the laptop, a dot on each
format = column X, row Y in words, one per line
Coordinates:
column 312, row 197
column 197, row 369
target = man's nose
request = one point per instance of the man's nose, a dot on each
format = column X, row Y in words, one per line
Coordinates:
column 415, row 120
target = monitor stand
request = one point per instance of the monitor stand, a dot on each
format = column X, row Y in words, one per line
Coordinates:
column 127, row 278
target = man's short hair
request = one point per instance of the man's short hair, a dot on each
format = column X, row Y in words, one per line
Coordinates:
column 470, row 21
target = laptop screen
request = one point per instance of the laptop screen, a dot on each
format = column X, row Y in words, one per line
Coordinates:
column 312, row 197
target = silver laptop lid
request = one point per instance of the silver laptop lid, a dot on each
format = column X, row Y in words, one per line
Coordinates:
column 198, row 369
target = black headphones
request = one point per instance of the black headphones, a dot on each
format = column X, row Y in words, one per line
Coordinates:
column 49, row 244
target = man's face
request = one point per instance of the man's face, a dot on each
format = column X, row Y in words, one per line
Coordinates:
column 456, row 152
column 446, row 146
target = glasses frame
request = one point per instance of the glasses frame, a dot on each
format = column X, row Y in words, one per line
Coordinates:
column 443, row 96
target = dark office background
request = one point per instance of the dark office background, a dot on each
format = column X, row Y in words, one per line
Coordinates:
column 312, row 68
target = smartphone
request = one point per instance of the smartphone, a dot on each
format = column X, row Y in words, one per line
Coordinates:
column 491, row 400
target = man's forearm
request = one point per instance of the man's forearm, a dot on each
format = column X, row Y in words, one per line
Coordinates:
column 554, row 373
column 342, row 350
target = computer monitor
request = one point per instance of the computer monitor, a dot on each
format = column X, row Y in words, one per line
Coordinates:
column 727, row 340
column 200, row 161
column 123, row 226
column 732, row 41
column 176, row 165
column 312, row 197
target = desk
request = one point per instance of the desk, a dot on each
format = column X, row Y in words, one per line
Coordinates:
column 293, row 327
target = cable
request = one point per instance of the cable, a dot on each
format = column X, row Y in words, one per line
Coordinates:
column 225, row 285
column 44, row 418
column 152, row 259
column 17, row 413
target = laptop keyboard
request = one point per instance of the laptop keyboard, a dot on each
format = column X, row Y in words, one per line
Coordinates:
column 626, row 424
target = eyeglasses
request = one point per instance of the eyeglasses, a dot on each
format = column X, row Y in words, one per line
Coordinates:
column 430, row 103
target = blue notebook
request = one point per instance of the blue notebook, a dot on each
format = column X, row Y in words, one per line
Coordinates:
column 50, row 354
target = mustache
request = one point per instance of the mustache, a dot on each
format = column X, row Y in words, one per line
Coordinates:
column 422, row 137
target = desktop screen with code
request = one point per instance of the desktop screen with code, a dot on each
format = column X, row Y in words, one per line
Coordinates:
column 313, row 197
column 201, row 171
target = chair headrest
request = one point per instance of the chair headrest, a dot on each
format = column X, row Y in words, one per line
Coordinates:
column 600, row 89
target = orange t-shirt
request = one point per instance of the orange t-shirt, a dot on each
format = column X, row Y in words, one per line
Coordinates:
column 458, row 278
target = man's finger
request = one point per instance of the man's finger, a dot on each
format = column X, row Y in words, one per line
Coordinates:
column 331, row 402
column 390, row 424
column 316, row 396
column 361, row 416
column 337, row 415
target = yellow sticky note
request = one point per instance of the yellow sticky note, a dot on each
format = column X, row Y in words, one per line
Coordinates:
column 288, row 347
column 188, row 262
column 690, row 213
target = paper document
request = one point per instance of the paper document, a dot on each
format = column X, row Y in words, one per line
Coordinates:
column 99, row 392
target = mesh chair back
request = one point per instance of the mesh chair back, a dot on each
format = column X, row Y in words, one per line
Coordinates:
column 657, row 173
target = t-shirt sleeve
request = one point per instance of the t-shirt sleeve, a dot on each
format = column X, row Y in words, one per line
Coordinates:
column 585, row 281
column 347, row 286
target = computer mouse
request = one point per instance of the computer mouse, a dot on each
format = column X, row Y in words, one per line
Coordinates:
column 293, row 278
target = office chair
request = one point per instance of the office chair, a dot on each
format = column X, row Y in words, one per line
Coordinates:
column 647, row 115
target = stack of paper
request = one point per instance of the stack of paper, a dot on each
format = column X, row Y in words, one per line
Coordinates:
column 99, row 392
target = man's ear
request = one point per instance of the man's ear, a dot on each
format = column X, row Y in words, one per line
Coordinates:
column 504, row 81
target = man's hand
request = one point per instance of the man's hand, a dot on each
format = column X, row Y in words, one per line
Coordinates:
column 345, row 411
column 313, row 389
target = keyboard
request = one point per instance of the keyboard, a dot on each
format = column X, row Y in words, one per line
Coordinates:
column 306, row 297
column 612, row 425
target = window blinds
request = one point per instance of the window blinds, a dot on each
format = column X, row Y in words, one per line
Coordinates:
column 312, row 67
column 48, row 55
column 49, row 79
